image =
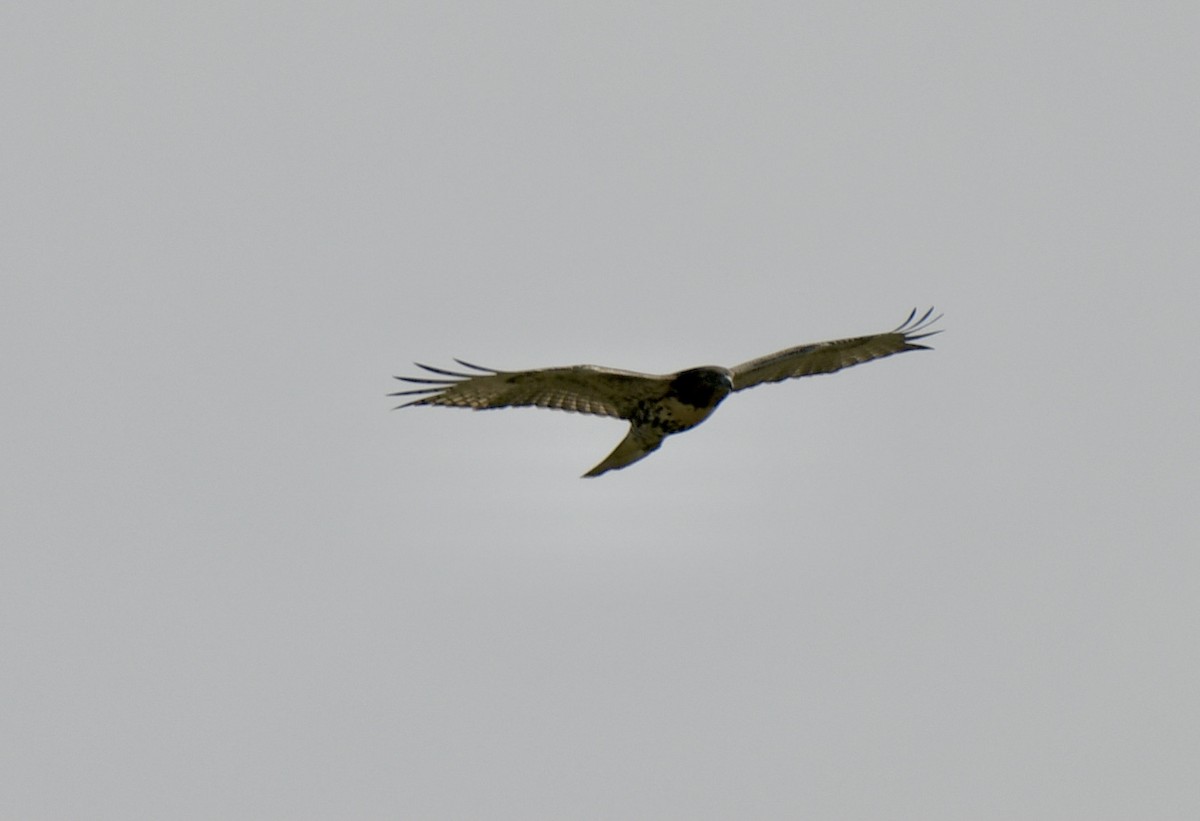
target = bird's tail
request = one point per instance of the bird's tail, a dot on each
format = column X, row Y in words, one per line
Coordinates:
column 638, row 444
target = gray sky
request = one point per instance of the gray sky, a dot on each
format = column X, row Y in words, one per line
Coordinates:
column 960, row 584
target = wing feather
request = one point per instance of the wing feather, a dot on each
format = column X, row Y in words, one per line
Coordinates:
column 827, row 357
column 579, row 388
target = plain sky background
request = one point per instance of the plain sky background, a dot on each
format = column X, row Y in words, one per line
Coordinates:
column 962, row 584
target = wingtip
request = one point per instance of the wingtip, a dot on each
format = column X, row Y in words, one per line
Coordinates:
column 476, row 367
column 441, row 371
column 911, row 325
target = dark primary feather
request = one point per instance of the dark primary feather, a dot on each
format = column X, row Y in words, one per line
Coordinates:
column 827, row 357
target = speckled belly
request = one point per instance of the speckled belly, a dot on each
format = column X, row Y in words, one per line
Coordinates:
column 670, row 415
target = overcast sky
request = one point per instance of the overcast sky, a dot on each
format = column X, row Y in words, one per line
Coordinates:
column 959, row 584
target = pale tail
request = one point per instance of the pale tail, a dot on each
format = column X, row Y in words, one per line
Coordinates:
column 639, row 444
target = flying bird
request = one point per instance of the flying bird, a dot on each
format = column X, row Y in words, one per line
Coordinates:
column 656, row 406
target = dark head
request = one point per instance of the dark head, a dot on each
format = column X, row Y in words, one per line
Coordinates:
column 702, row 387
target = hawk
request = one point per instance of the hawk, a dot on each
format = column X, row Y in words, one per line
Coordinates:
column 655, row 406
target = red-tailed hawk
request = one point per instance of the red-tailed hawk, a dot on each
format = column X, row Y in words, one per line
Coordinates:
column 656, row 406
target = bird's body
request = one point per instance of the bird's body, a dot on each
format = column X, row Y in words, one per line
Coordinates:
column 656, row 406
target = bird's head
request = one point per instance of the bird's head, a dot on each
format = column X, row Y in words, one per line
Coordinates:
column 702, row 387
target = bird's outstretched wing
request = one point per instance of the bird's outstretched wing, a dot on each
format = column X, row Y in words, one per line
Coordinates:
column 827, row 357
column 579, row 388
